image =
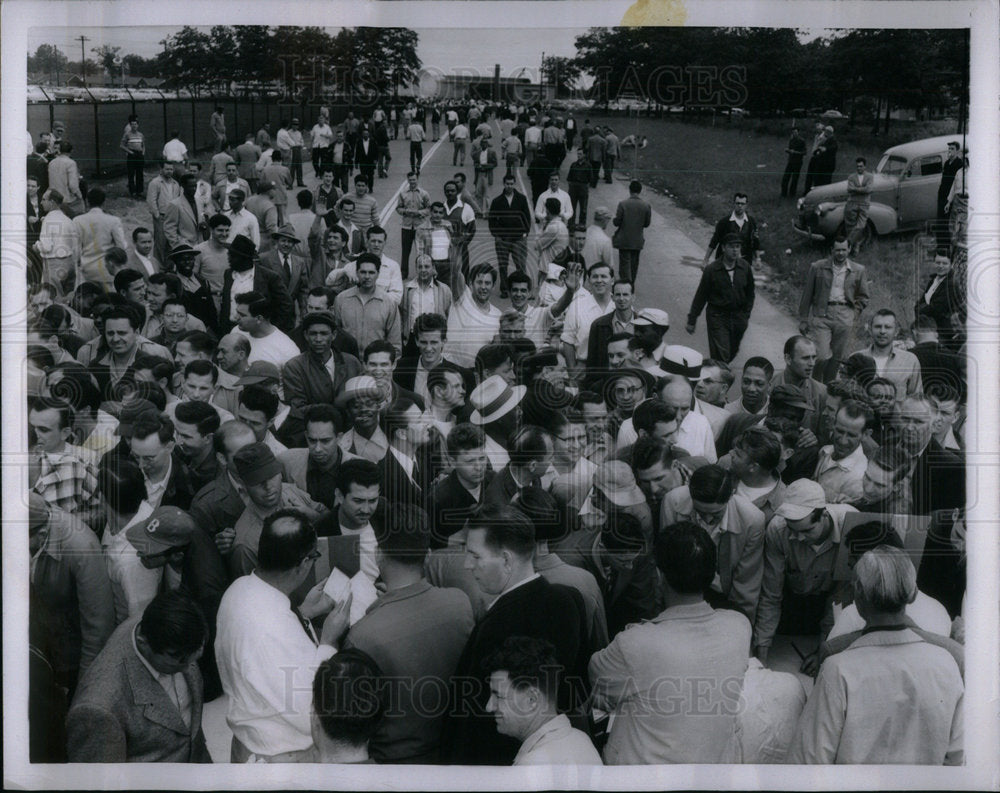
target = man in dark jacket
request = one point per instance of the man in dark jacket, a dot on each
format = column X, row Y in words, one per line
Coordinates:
column 510, row 222
column 727, row 288
column 266, row 282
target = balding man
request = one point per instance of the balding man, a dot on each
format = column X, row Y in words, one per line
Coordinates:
column 598, row 247
column 267, row 666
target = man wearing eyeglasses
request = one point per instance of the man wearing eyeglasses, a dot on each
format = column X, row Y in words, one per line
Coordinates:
column 741, row 222
column 267, row 665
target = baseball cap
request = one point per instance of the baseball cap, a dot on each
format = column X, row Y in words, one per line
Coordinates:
column 790, row 396
column 256, row 463
column 258, row 372
column 652, row 316
column 732, row 236
column 801, row 497
column 165, row 529
column 615, row 480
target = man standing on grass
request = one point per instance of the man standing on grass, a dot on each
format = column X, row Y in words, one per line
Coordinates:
column 631, row 217
column 836, row 292
column 727, row 288
column 796, row 150
column 859, row 199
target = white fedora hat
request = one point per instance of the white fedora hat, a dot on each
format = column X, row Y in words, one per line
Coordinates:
column 494, row 398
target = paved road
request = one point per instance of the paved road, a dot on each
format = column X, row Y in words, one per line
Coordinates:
column 670, row 266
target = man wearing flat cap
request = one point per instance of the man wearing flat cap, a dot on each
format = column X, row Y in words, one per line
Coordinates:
column 318, row 375
column 727, row 290
column 739, row 222
column 260, row 474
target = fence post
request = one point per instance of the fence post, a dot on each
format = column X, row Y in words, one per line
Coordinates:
column 166, row 133
column 52, row 113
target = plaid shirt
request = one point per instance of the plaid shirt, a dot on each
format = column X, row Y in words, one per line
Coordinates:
column 68, row 479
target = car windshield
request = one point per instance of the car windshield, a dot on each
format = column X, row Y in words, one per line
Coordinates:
column 891, row 166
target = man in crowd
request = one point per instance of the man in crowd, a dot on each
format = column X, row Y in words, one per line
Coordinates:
column 727, row 289
column 510, row 222
column 744, row 226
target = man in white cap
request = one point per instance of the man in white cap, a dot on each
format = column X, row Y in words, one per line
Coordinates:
column 800, row 547
column 495, row 401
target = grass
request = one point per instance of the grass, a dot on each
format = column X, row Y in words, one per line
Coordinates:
column 701, row 166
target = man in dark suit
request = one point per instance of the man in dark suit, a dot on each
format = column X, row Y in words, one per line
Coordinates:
column 456, row 497
column 38, row 167
column 499, row 546
column 727, row 288
column 944, row 299
column 195, row 291
column 366, row 156
column 632, row 216
column 530, row 456
column 404, row 476
column 937, row 475
column 244, row 265
column 141, row 699
column 430, row 331
column 510, row 222
column 294, row 269
column 603, row 328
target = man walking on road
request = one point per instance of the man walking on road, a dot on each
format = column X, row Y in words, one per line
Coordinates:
column 510, row 222
column 836, row 292
column 741, row 223
column 727, row 288
column 414, row 207
column 611, row 151
column 595, row 145
column 416, row 135
column 578, row 181
column 631, row 217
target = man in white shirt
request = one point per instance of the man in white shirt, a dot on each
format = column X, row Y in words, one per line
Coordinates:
column 267, row 343
column 695, row 434
column 588, row 304
column 598, row 247
column 390, row 278
column 842, row 464
column 566, row 213
column 174, row 151
column 473, row 320
column 58, row 243
column 523, row 693
column 267, row 666
column 242, row 221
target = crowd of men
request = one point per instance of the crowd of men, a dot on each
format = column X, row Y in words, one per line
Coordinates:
column 393, row 522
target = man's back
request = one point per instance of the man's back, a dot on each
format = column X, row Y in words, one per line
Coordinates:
column 888, row 698
column 416, row 635
column 674, row 684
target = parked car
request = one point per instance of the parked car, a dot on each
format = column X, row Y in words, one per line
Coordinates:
column 833, row 114
column 904, row 193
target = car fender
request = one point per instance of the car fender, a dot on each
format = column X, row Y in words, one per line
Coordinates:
column 884, row 218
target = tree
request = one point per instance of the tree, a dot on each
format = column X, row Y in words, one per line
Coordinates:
column 48, row 59
column 107, row 57
column 187, row 58
column 383, row 58
column 222, row 46
column 253, row 48
column 301, row 58
column 562, row 73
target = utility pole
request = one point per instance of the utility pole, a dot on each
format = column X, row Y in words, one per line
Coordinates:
column 83, row 59
column 541, row 80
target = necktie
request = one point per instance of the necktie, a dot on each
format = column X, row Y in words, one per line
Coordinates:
column 288, row 269
column 305, row 624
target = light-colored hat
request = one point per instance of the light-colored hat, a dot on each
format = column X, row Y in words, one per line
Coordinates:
column 361, row 386
column 652, row 316
column 615, row 480
column 681, row 360
column 287, row 231
column 602, row 212
column 554, row 271
column 494, row 398
column 801, row 497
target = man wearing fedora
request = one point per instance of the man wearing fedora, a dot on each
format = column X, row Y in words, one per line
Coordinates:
column 495, row 404
column 727, row 289
column 246, row 274
column 318, row 375
column 195, row 290
column 293, row 268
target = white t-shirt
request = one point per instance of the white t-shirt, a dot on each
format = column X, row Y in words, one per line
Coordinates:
column 469, row 329
column 276, row 348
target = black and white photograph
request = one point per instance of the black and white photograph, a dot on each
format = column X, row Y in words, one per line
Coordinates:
column 475, row 395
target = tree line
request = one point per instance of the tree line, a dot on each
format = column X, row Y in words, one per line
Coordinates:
column 772, row 70
column 248, row 58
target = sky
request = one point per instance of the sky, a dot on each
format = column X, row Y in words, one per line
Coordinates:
column 441, row 48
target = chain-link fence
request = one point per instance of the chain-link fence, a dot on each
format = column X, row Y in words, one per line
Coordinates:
column 95, row 126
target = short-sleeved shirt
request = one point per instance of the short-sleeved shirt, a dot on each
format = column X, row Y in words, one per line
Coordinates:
column 469, row 329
